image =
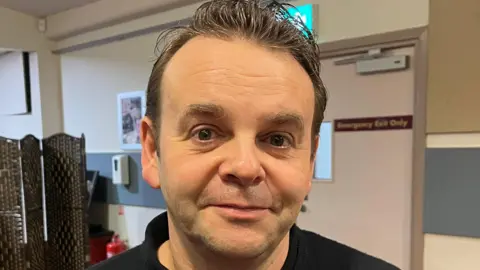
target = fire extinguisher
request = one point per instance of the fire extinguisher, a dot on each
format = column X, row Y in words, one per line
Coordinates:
column 116, row 246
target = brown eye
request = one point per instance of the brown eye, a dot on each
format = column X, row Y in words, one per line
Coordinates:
column 204, row 135
column 278, row 141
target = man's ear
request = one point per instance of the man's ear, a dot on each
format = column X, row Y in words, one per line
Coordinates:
column 149, row 153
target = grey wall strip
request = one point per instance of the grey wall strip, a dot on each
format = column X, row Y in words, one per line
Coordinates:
column 452, row 192
column 137, row 193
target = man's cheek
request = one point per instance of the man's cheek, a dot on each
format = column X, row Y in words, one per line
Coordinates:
column 293, row 183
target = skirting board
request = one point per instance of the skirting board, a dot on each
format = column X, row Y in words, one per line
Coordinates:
column 137, row 193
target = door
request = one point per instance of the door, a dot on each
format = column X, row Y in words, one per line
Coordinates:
column 367, row 202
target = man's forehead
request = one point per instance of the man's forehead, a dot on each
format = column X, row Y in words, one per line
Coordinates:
column 207, row 70
column 210, row 56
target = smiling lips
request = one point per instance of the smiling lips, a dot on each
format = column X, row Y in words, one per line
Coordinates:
column 241, row 212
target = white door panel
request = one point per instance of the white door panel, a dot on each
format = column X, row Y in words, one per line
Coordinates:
column 367, row 205
column 352, row 95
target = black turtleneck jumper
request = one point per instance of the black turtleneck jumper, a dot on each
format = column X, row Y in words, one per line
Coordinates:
column 307, row 251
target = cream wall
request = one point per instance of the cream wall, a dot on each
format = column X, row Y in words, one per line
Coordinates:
column 89, row 99
column 19, row 32
column 452, row 140
column 443, row 252
column 91, row 80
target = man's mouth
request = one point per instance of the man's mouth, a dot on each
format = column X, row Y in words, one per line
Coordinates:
column 241, row 211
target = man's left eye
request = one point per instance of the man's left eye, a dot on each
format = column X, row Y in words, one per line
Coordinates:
column 278, row 140
column 205, row 135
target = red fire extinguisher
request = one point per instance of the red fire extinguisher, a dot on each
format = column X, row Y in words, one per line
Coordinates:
column 116, row 246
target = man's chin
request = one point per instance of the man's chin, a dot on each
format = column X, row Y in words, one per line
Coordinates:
column 236, row 244
column 232, row 239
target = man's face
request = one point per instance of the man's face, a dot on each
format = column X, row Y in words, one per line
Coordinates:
column 235, row 144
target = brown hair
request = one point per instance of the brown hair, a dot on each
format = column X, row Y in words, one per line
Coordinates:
column 269, row 25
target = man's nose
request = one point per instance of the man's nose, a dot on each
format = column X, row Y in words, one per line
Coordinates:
column 242, row 165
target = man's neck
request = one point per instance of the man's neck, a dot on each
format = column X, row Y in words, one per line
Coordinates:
column 180, row 254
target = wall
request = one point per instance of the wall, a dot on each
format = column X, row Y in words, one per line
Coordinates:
column 91, row 80
column 454, row 83
column 128, row 221
column 445, row 252
column 20, row 125
column 45, row 118
column 452, row 110
column 90, row 86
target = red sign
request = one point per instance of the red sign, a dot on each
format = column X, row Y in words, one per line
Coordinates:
column 374, row 123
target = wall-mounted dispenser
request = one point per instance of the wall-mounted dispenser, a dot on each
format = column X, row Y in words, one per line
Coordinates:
column 120, row 171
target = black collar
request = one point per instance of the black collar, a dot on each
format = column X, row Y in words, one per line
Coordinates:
column 157, row 233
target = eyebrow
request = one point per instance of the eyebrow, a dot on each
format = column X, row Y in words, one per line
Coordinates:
column 217, row 112
column 287, row 118
column 200, row 110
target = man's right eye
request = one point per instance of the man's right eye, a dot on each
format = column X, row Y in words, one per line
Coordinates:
column 204, row 134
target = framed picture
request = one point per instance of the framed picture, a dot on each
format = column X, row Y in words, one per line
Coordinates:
column 131, row 108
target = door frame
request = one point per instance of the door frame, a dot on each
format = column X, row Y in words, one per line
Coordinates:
column 416, row 38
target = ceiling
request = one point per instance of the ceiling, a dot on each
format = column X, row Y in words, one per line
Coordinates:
column 43, row 8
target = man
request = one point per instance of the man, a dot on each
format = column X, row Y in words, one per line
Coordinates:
column 234, row 106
